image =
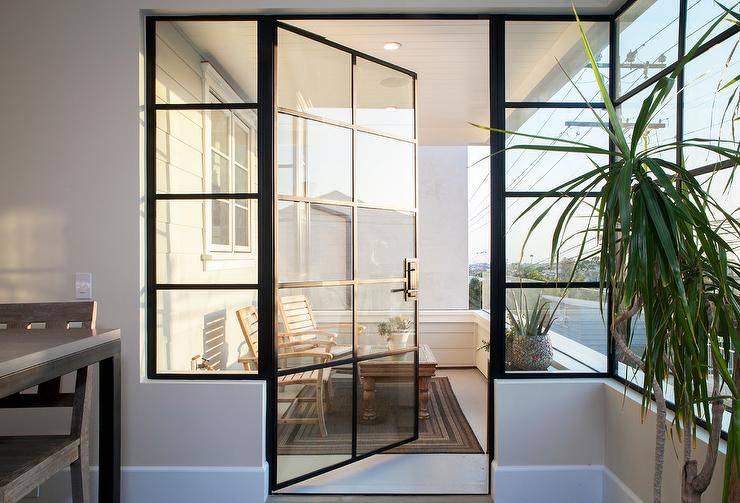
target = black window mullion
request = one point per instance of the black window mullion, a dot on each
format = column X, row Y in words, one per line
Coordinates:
column 206, row 106
column 554, row 104
column 151, row 203
column 611, row 358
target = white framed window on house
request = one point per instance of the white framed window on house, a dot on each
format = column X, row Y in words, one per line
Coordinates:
column 230, row 163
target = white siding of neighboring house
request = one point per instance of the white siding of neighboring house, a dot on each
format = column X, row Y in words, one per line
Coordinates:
column 186, row 319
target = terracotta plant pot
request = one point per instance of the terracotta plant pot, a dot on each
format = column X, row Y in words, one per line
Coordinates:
column 531, row 352
column 398, row 340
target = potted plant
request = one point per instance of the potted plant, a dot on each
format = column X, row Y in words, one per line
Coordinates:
column 395, row 331
column 531, row 348
column 662, row 256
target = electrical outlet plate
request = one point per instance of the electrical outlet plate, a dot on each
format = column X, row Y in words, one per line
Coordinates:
column 83, row 285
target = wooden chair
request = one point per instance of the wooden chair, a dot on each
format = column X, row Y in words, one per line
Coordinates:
column 300, row 327
column 27, row 461
column 318, row 379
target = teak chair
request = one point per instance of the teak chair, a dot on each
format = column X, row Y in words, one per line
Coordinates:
column 318, row 379
column 300, row 327
column 27, row 461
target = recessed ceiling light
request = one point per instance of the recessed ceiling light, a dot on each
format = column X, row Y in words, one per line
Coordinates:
column 391, row 46
column 390, row 109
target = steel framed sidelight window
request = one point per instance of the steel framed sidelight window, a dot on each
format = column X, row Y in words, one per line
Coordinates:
column 518, row 178
column 201, row 189
column 675, row 27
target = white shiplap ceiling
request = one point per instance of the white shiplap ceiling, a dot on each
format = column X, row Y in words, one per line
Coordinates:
column 450, row 58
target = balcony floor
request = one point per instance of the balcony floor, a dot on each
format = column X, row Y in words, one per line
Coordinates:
column 413, row 473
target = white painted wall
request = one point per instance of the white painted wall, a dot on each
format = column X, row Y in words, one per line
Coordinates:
column 443, row 227
column 581, row 440
column 623, row 422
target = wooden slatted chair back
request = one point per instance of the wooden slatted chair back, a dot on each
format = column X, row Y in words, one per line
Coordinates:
column 249, row 323
column 297, row 316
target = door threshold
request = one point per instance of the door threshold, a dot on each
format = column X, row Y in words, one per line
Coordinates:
column 375, row 498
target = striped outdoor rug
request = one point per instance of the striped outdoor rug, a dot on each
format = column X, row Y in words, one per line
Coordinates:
column 445, row 432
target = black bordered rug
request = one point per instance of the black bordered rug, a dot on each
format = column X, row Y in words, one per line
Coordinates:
column 446, row 431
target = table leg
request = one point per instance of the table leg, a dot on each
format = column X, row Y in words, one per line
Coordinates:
column 109, row 431
column 424, row 397
column 368, row 398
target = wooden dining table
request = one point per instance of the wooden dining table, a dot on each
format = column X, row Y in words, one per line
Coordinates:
column 33, row 356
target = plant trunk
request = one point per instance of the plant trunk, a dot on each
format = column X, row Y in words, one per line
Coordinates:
column 734, row 492
column 633, row 359
column 688, row 493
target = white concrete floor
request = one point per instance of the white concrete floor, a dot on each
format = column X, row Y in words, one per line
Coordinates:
column 410, row 473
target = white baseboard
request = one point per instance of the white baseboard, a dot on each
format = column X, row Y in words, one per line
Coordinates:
column 172, row 484
column 616, row 491
column 559, row 484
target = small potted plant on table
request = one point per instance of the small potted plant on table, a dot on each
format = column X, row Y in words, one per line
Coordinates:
column 396, row 332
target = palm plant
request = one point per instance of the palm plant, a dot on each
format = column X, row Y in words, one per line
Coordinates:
column 663, row 258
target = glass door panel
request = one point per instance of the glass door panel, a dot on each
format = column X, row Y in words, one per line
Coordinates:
column 386, row 321
column 314, row 78
column 385, row 171
column 314, row 242
column 386, row 403
column 314, row 427
column 385, row 99
column 314, row 159
column 346, row 296
column 384, row 239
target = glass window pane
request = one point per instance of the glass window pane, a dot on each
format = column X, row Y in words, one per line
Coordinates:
column 219, row 173
column 384, row 239
column 648, row 41
column 706, row 111
column 316, row 431
column 223, row 53
column 385, row 171
column 220, row 131
column 386, row 322
column 701, row 14
column 241, row 142
column 315, row 242
column 576, row 341
column 193, row 153
column 241, row 179
column 241, row 225
column 385, row 99
column 533, row 50
column 314, row 78
column 728, row 198
column 198, row 331
column 533, row 170
column 220, row 222
column 184, row 254
column 313, row 323
column 386, row 401
column 662, row 127
column 533, row 263
column 314, row 159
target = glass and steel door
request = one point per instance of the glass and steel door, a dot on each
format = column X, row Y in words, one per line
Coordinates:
column 346, row 215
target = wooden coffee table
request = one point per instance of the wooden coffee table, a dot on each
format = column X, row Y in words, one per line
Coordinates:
column 385, row 369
